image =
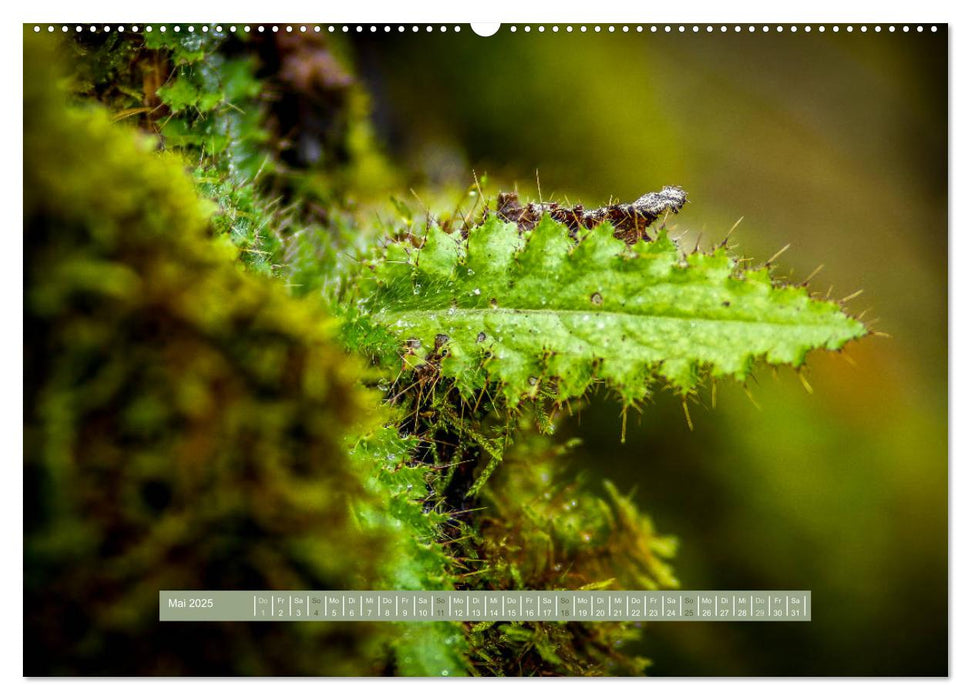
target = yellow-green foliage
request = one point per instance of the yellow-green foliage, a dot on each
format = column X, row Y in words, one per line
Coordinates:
column 541, row 529
column 198, row 94
column 189, row 424
column 184, row 421
column 544, row 530
column 416, row 559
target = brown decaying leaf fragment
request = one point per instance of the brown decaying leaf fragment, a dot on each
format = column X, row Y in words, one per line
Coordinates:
column 631, row 222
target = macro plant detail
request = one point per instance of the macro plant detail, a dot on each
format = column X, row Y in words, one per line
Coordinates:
column 631, row 222
column 384, row 399
column 539, row 312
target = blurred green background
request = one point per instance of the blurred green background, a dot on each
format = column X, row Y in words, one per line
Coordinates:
column 833, row 143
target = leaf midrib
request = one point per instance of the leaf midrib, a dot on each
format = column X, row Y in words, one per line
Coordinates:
column 453, row 312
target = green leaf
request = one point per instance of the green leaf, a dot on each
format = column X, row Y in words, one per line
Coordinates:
column 179, row 94
column 186, row 47
column 541, row 309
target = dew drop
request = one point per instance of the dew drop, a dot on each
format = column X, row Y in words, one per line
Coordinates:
column 477, row 291
column 596, row 299
column 479, row 338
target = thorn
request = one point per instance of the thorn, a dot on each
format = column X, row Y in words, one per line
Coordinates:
column 477, row 185
column 458, row 210
column 428, row 212
column 539, row 192
column 774, row 257
column 812, row 274
column 687, row 415
column 854, row 295
column 420, row 202
column 623, row 425
column 751, row 398
column 805, row 382
column 881, row 334
column 848, row 359
column 732, row 229
column 714, row 392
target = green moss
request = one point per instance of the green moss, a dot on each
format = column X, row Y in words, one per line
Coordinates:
column 189, row 424
column 184, row 421
column 213, row 98
column 541, row 529
column 416, row 558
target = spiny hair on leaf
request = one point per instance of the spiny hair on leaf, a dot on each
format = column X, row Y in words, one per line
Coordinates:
column 546, row 310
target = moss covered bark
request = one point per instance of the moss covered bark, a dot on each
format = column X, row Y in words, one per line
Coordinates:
column 184, row 420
